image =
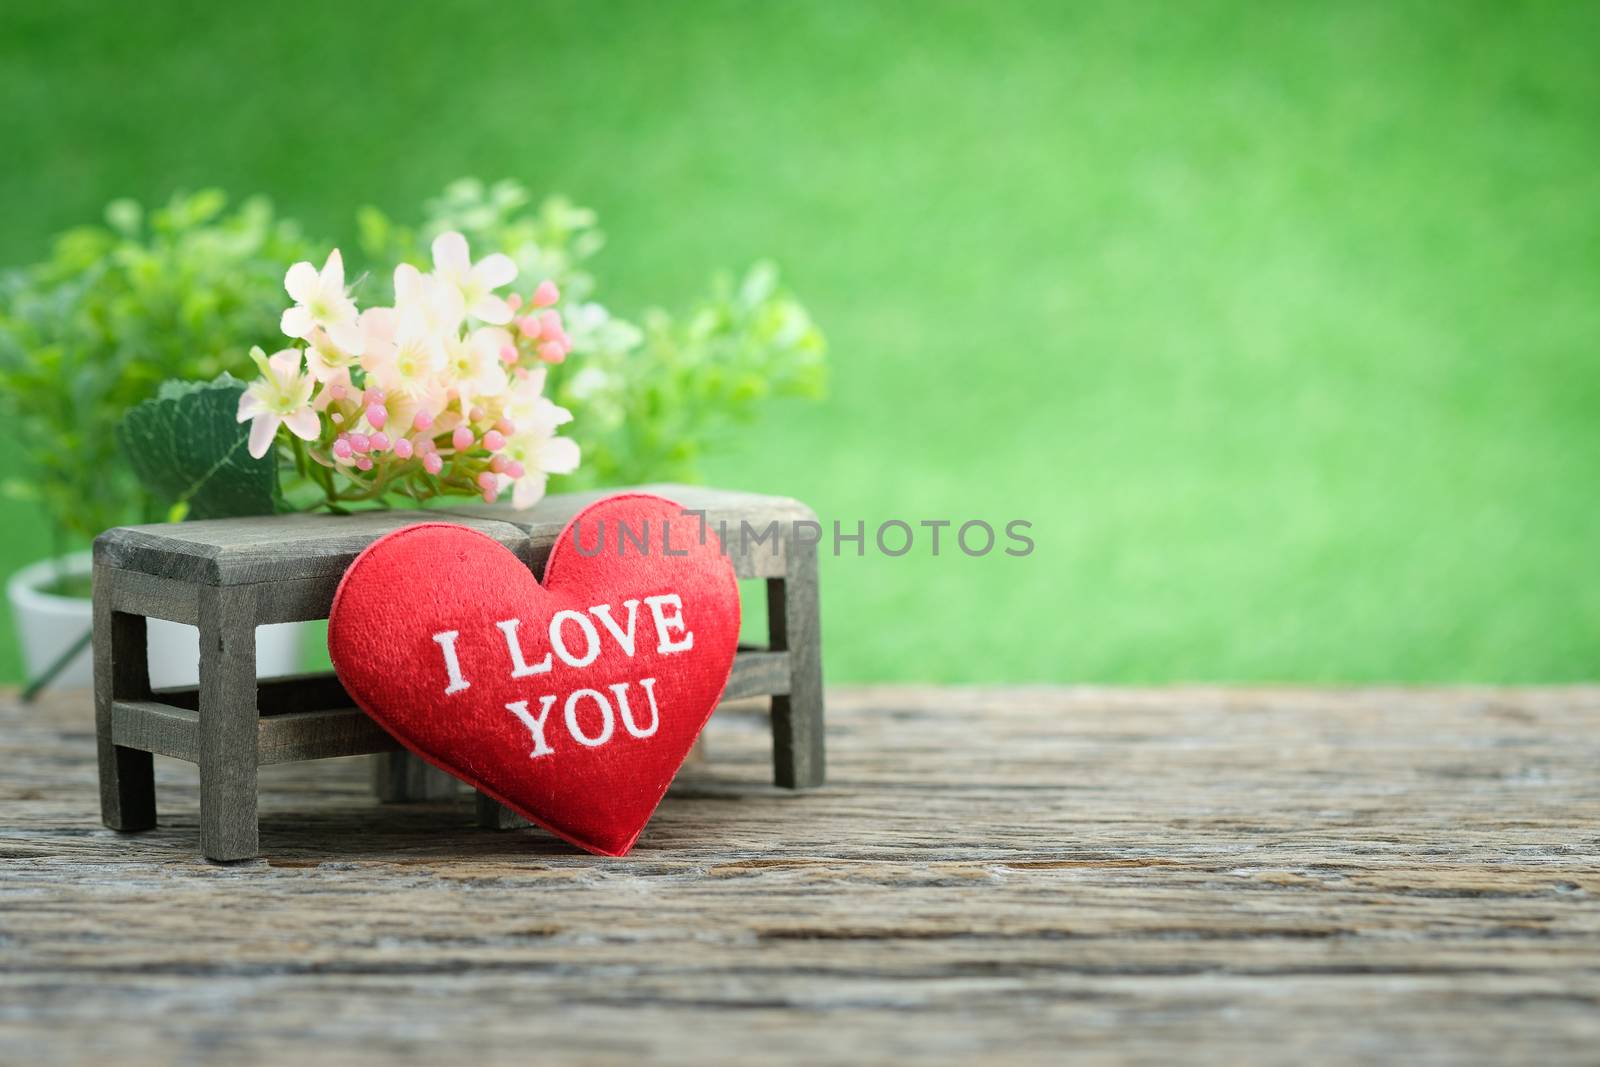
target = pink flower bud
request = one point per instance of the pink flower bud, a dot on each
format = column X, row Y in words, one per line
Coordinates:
column 477, row 414
column 506, row 426
column 375, row 396
column 499, row 464
column 360, row 442
column 422, row 421
column 341, row 447
column 377, row 416
column 380, row 441
column 513, row 301
column 528, row 326
column 364, row 463
column 488, row 481
column 432, row 463
column 402, row 447
column 336, row 391
column 549, row 323
column 494, row 440
column 546, row 294
column 508, row 353
column 552, row 352
column 461, row 439
column 489, row 495
column 559, row 336
column 515, row 470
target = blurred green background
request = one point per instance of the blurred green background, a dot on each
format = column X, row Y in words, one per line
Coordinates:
column 1279, row 322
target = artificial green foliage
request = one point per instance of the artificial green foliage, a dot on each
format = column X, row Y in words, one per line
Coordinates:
column 650, row 411
column 187, row 446
column 179, row 292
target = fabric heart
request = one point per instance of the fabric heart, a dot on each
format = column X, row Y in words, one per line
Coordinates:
column 572, row 702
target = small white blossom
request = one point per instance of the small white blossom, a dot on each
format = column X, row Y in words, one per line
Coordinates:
column 282, row 395
column 476, row 282
column 320, row 300
column 536, row 450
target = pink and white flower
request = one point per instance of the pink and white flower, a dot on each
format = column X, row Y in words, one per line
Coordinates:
column 403, row 359
column 326, row 360
column 281, row 396
column 473, row 366
column 533, row 451
column 476, row 282
column 320, row 301
column 435, row 372
column 428, row 303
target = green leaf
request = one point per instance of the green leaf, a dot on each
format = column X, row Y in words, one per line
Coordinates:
column 124, row 216
column 17, row 489
column 190, row 452
column 376, row 231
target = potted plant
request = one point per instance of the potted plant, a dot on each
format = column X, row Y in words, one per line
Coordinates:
column 179, row 292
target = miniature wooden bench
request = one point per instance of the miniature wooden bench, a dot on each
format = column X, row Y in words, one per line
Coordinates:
column 228, row 576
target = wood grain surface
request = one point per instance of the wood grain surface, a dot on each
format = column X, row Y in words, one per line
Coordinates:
column 990, row 876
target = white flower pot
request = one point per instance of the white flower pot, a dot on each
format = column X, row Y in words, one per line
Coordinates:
column 47, row 625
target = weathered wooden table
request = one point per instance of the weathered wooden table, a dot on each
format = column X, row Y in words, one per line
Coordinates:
column 1187, row 875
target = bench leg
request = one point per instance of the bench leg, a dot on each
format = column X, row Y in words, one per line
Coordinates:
column 798, row 754
column 400, row 777
column 229, row 723
column 492, row 815
column 121, row 672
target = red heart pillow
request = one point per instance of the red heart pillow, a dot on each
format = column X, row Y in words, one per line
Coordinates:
column 571, row 702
